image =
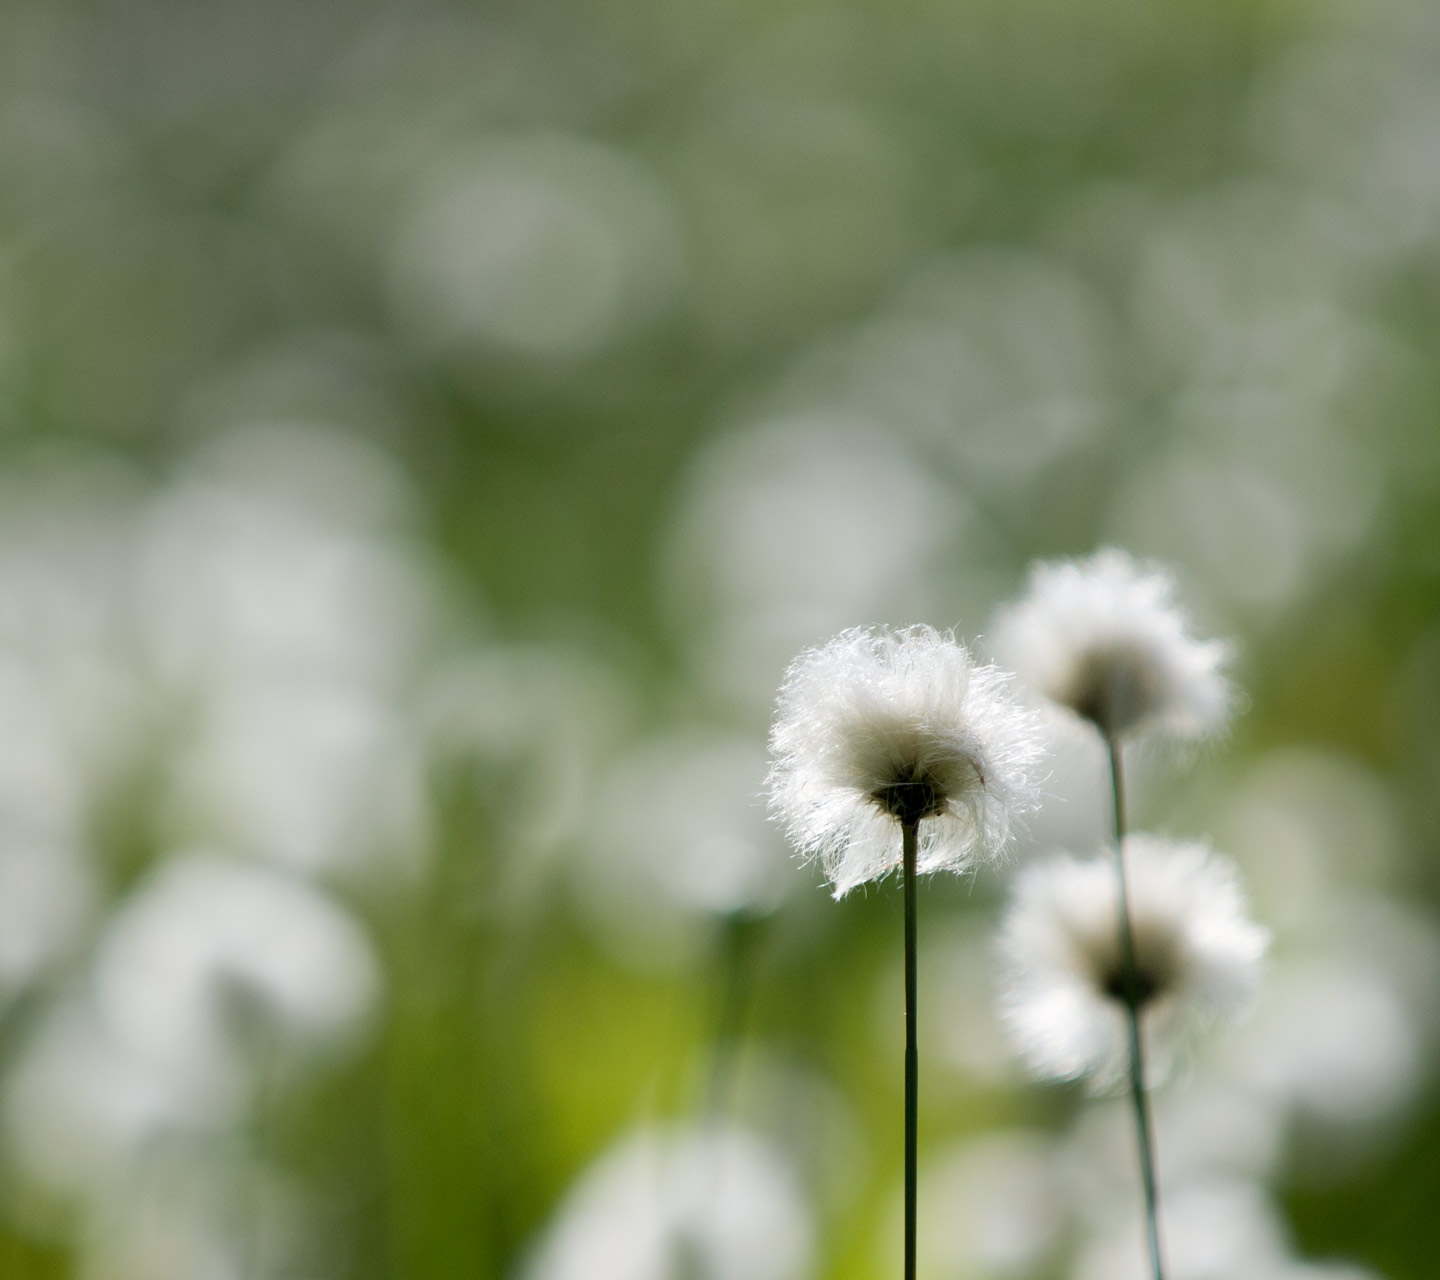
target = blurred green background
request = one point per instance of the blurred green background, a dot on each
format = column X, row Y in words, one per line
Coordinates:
column 426, row 432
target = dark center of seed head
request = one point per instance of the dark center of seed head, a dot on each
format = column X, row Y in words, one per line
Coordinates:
column 1158, row 966
column 1144, row 986
column 1114, row 687
column 910, row 797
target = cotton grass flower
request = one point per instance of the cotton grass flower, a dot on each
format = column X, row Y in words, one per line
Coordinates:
column 1197, row 957
column 879, row 728
column 882, row 729
column 1103, row 638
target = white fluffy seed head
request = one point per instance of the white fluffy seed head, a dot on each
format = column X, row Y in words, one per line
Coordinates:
column 1198, row 957
column 1103, row 638
column 881, row 727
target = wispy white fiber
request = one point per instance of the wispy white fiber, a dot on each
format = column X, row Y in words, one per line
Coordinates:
column 1198, row 956
column 880, row 726
column 1104, row 638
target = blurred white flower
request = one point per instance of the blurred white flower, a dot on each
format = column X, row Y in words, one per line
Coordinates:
column 1332, row 1039
column 1001, row 359
column 966, row 1036
column 78, row 1104
column 238, row 582
column 678, row 834
column 194, row 1207
column 1356, row 120
column 47, row 895
column 1305, row 824
column 1077, row 801
column 1197, row 956
column 806, row 1115
column 211, row 980
column 791, row 529
column 286, row 458
column 311, row 773
column 1215, row 1229
column 1215, row 1125
column 660, row 1205
column 42, row 786
column 282, row 626
column 72, row 705
column 540, row 246
column 991, row 1206
column 157, row 1239
column 1103, row 638
column 529, row 728
column 882, row 727
column 1263, row 493
column 1208, row 1129
column 214, row 960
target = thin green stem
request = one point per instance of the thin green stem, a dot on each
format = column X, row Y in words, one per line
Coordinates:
column 736, row 964
column 1143, row 1134
column 734, row 971
column 912, row 1054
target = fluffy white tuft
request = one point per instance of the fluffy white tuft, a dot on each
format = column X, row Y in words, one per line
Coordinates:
column 1104, row 638
column 878, row 727
column 1197, row 953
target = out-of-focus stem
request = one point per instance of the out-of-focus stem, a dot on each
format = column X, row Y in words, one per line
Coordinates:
column 735, row 967
column 1144, row 1137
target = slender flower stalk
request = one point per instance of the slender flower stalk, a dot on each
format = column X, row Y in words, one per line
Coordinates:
column 1133, row 997
column 1103, row 640
column 912, row 1047
column 688, row 1247
column 882, row 728
column 735, row 972
column 1113, row 963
